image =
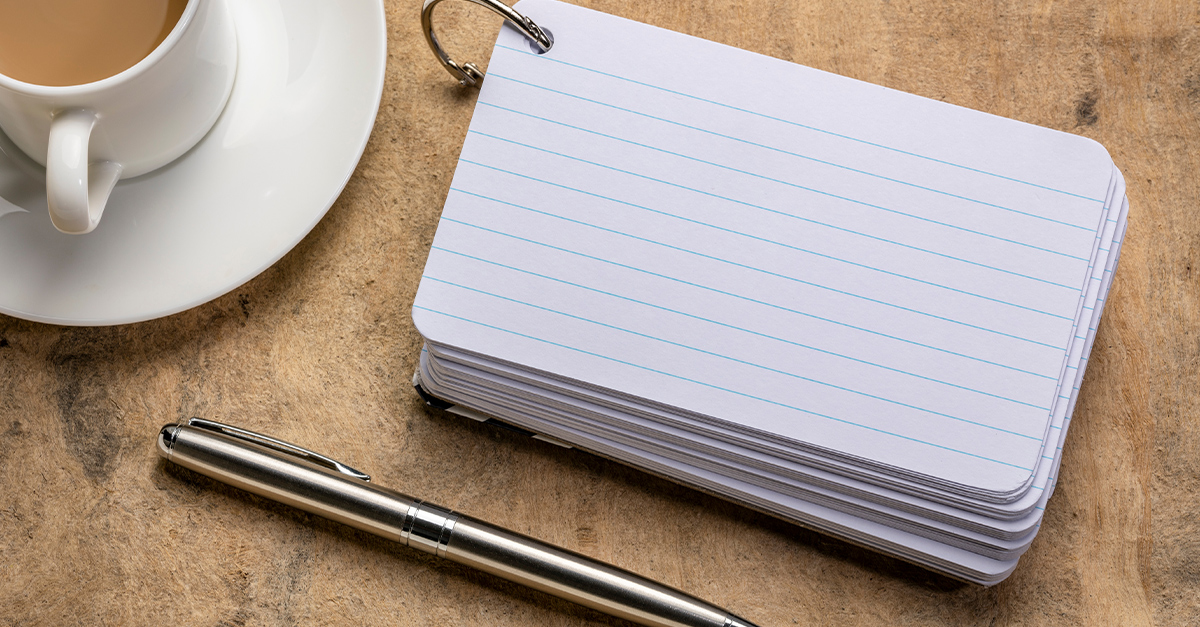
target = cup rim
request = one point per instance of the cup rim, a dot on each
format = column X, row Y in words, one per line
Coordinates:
column 160, row 51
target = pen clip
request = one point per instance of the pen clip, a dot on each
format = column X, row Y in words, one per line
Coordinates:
column 278, row 445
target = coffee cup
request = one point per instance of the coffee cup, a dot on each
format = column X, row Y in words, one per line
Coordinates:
column 91, row 130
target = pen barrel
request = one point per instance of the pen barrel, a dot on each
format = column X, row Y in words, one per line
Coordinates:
column 577, row 578
column 308, row 486
column 291, row 480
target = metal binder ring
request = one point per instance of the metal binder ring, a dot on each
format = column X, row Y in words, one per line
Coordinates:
column 468, row 74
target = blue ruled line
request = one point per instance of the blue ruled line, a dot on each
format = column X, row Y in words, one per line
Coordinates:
column 760, row 366
column 798, row 124
column 804, row 250
column 794, row 154
column 724, row 293
column 783, row 213
column 701, row 223
column 797, row 186
column 732, row 263
column 764, row 335
column 739, row 202
column 727, row 390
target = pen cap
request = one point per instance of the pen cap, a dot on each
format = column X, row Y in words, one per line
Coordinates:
column 287, row 478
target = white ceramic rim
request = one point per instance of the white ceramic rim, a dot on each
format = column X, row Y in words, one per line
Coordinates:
column 156, row 55
column 241, row 279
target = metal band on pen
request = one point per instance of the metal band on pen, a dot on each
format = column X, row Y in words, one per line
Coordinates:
column 428, row 527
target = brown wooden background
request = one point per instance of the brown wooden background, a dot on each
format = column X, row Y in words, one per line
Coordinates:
column 319, row 349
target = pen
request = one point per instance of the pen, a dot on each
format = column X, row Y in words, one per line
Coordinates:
column 314, row 483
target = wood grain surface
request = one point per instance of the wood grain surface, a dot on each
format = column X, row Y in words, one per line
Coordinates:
column 319, row 349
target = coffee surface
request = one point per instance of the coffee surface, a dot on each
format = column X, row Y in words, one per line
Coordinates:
column 72, row 42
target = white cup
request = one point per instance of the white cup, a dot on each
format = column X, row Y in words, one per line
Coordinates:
column 90, row 136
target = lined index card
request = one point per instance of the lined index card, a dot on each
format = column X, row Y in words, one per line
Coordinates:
column 859, row 272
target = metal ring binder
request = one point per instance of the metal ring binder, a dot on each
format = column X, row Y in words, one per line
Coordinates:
column 467, row 74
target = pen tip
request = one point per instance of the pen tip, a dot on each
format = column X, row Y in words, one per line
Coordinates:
column 166, row 439
column 734, row 621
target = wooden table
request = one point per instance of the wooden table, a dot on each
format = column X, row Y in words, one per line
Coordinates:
column 319, row 349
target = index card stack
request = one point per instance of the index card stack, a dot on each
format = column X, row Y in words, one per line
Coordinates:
column 858, row 309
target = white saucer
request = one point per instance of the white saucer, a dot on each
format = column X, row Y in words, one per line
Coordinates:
column 310, row 77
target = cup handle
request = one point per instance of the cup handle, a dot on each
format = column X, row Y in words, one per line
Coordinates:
column 76, row 191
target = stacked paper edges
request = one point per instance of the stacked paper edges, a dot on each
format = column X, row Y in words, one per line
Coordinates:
column 854, row 308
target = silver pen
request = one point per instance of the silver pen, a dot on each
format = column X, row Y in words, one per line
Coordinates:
column 314, row 483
